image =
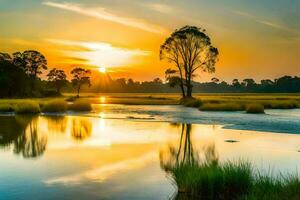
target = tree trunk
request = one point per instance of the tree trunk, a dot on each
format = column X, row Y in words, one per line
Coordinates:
column 78, row 90
column 182, row 90
column 189, row 89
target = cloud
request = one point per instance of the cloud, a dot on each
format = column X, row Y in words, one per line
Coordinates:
column 100, row 54
column 262, row 21
column 162, row 8
column 101, row 13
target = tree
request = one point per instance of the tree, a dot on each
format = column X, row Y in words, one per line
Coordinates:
column 32, row 62
column 173, row 79
column 57, row 78
column 80, row 77
column 189, row 49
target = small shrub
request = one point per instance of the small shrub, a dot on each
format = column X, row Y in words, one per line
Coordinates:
column 80, row 105
column 255, row 108
column 191, row 102
column 221, row 107
column 6, row 108
column 55, row 106
column 27, row 108
column 71, row 99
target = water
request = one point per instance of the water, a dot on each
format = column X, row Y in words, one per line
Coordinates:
column 118, row 152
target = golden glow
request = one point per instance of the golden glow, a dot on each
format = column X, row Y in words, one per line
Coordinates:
column 102, row 69
column 102, row 99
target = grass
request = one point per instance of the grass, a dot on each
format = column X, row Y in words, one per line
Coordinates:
column 80, row 105
column 5, row 107
column 190, row 102
column 231, row 180
column 55, row 106
column 255, row 108
column 221, row 107
column 27, row 107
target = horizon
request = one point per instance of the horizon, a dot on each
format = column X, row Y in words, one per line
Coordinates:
column 93, row 34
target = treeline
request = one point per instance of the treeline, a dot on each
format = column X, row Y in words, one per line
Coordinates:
column 285, row 84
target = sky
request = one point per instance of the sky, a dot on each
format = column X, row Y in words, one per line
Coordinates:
column 257, row 39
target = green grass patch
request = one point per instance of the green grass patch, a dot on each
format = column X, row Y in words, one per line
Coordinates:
column 231, row 180
column 221, row 107
column 27, row 107
column 255, row 108
column 80, row 105
column 55, row 106
column 5, row 107
column 190, row 102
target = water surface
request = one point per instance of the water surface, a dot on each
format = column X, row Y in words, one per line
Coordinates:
column 118, row 153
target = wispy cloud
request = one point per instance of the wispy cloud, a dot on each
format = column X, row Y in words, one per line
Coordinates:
column 263, row 21
column 102, row 13
column 100, row 54
column 162, row 8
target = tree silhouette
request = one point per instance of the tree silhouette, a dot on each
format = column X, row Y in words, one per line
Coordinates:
column 32, row 62
column 189, row 49
column 80, row 77
column 57, row 78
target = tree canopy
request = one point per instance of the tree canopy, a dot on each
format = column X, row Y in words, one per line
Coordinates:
column 189, row 49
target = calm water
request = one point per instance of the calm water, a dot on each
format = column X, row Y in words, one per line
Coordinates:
column 118, row 152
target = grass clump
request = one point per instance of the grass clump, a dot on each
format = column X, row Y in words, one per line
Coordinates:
column 80, row 105
column 6, row 108
column 221, row 107
column 55, row 106
column 231, row 180
column 27, row 107
column 255, row 108
column 190, row 102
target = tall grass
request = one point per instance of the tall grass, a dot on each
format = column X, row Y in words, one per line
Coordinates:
column 231, row 180
column 221, row 107
column 27, row 107
column 55, row 106
column 190, row 102
column 5, row 107
column 80, row 105
column 255, row 108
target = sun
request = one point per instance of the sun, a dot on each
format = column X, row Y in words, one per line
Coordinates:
column 102, row 69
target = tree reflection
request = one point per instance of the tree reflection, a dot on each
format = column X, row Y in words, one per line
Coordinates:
column 185, row 153
column 57, row 124
column 10, row 130
column 30, row 143
column 81, row 129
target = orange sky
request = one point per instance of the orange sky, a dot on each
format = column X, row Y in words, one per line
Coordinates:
column 254, row 40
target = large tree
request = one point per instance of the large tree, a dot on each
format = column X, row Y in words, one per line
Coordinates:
column 189, row 49
column 57, row 78
column 80, row 77
column 32, row 62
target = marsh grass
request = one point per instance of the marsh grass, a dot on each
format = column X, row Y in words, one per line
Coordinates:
column 54, row 106
column 5, row 107
column 255, row 108
column 27, row 107
column 190, row 102
column 80, row 105
column 221, row 107
column 231, row 180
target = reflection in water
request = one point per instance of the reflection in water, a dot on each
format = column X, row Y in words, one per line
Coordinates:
column 30, row 144
column 57, row 124
column 81, row 128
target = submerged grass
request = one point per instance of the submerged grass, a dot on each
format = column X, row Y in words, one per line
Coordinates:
column 231, row 180
column 80, row 105
column 54, row 106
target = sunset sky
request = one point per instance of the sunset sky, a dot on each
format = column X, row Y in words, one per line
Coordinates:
column 257, row 38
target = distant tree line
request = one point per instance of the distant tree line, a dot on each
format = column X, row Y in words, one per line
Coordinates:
column 285, row 84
